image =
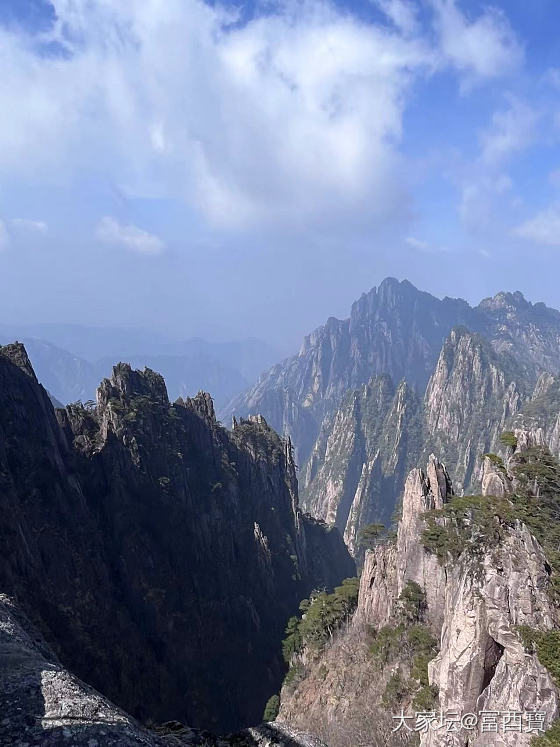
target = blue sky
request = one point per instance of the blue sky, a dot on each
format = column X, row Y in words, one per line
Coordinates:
column 236, row 170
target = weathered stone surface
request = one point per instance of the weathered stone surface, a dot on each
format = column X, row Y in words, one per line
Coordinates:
column 471, row 397
column 475, row 605
column 128, row 536
column 388, row 567
column 41, row 703
column 482, row 665
column 352, row 473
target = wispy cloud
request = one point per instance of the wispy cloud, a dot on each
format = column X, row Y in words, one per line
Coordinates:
column 544, row 228
column 482, row 47
column 29, row 226
column 425, row 246
column 512, row 129
column 110, row 231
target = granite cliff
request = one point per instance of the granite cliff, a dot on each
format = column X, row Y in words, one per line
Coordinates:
column 369, row 397
column 457, row 614
column 358, row 466
column 158, row 554
column 399, row 331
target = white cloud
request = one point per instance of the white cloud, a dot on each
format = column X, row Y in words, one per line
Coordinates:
column 294, row 118
column 415, row 243
column 512, row 129
column 485, row 184
column 402, row 13
column 29, row 226
column 544, row 228
column 424, row 246
column 110, row 231
column 484, row 47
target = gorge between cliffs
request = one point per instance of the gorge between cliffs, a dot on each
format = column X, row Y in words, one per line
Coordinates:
column 377, row 533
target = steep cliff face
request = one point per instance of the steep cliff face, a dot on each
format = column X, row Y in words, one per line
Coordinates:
column 358, row 466
column 473, row 394
column 394, row 329
column 361, row 458
column 474, row 379
column 399, row 331
column 42, row 703
column 159, row 554
column 528, row 332
column 448, row 615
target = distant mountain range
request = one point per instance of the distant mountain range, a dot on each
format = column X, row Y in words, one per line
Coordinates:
column 163, row 557
column 70, row 360
column 370, row 397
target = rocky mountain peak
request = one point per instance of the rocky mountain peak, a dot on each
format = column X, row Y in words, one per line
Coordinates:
column 125, row 383
column 505, row 301
column 151, row 546
column 468, row 578
column 203, row 405
column 17, row 354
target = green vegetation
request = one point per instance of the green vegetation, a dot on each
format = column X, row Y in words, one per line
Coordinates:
column 537, row 503
column 472, row 523
column 412, row 602
column 425, row 698
column 294, row 675
column 550, row 739
column 546, row 644
column 415, row 644
column 293, row 642
column 322, row 615
column 396, row 690
column 496, row 460
column 271, row 709
column 369, row 536
column 509, row 439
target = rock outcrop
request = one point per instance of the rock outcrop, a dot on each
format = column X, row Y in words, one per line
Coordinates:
column 359, row 464
column 361, row 458
column 158, row 554
column 42, row 703
column 477, row 593
column 472, row 396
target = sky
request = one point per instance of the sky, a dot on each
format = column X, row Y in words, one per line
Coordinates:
column 249, row 169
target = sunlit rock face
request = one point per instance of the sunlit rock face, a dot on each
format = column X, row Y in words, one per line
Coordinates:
column 476, row 607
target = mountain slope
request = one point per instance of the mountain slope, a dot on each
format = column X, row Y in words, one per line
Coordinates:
column 158, row 554
column 394, row 330
column 399, row 331
column 448, row 615
column 359, row 463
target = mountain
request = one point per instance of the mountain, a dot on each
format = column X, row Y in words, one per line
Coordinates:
column 371, row 397
column 361, row 458
column 358, row 466
column 158, row 554
column 457, row 614
column 188, row 366
column 66, row 377
column 34, row 682
column 394, row 330
column 399, row 331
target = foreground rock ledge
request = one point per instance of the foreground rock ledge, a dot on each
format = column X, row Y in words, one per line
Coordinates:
column 41, row 703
